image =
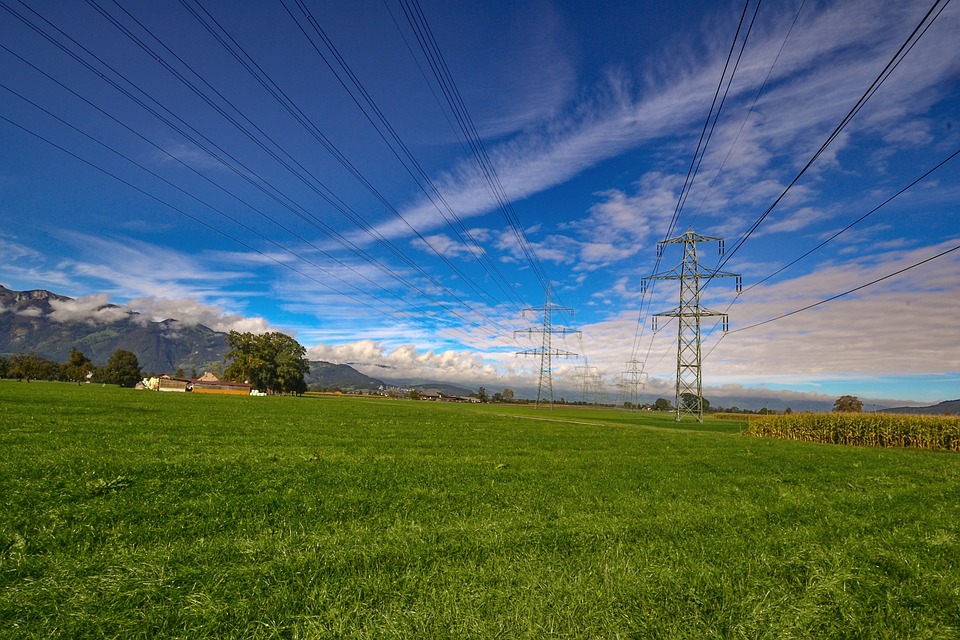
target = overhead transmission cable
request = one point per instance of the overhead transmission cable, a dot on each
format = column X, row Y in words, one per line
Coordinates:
column 239, row 53
column 173, row 207
column 833, row 237
column 441, row 71
column 848, row 292
column 202, row 176
column 852, row 224
column 313, row 182
column 214, row 208
column 400, row 314
column 374, row 114
column 713, row 115
column 243, row 174
column 753, row 105
column 888, row 69
column 918, row 32
column 324, row 192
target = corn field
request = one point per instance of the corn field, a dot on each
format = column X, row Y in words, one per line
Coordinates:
column 862, row 429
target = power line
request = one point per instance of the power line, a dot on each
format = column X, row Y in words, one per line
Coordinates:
column 856, row 222
column 713, row 115
column 833, row 237
column 753, row 105
column 434, row 55
column 848, row 292
column 244, row 172
column 401, row 151
column 386, row 292
column 894, row 62
column 237, row 51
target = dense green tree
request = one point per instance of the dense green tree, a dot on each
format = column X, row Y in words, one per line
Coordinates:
column 78, row 366
column 662, row 404
column 269, row 361
column 4, row 367
column 848, row 404
column 481, row 394
column 689, row 402
column 122, row 368
column 30, row 366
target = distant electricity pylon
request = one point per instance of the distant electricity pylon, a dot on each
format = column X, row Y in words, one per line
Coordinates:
column 591, row 386
column 693, row 278
column 586, row 374
column 545, row 351
column 631, row 381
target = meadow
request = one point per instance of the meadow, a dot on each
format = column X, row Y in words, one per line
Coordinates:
column 133, row 514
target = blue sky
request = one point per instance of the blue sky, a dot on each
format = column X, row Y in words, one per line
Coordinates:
column 298, row 166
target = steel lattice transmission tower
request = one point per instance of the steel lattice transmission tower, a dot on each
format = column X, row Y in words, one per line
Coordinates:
column 692, row 277
column 591, row 386
column 545, row 351
column 587, row 375
column 631, row 381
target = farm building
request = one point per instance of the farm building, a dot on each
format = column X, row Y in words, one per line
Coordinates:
column 209, row 383
column 166, row 383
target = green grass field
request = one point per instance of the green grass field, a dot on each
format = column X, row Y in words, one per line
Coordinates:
column 132, row 514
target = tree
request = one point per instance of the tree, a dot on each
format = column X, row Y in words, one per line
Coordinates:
column 122, row 369
column 848, row 404
column 78, row 366
column 689, row 402
column 482, row 394
column 508, row 395
column 272, row 361
column 662, row 404
column 25, row 366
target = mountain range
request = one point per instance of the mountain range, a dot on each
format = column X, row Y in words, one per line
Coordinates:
column 943, row 408
column 50, row 325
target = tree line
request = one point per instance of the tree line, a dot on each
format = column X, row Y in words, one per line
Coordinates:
column 122, row 368
column 272, row 362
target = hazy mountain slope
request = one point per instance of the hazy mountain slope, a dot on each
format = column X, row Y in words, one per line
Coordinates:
column 29, row 323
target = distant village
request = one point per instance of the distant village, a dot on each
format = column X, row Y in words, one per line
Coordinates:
column 210, row 383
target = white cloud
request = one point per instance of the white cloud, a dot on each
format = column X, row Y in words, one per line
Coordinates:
column 408, row 362
column 444, row 245
column 192, row 312
column 94, row 309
